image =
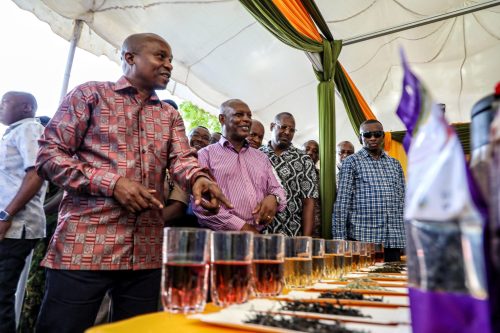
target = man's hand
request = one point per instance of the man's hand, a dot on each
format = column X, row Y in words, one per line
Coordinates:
column 4, row 227
column 213, row 195
column 265, row 210
column 134, row 196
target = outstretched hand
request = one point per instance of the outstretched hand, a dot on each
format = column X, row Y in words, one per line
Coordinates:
column 134, row 196
column 208, row 194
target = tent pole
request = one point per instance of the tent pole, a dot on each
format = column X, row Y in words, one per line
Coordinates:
column 419, row 23
column 77, row 29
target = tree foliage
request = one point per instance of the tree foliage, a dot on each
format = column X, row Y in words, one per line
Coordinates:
column 195, row 116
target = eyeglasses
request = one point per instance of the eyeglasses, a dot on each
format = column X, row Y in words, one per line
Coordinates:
column 283, row 128
column 376, row 134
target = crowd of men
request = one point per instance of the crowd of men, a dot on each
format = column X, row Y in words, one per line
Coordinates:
column 128, row 169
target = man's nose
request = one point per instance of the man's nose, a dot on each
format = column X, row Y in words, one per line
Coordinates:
column 168, row 64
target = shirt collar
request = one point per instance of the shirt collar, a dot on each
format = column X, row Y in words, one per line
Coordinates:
column 19, row 122
column 365, row 153
column 124, row 84
column 225, row 143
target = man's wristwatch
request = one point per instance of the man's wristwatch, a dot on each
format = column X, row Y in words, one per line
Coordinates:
column 4, row 216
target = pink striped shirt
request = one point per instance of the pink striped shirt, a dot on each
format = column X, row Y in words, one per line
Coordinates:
column 245, row 178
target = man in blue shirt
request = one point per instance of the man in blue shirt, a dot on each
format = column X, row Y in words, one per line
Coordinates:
column 370, row 197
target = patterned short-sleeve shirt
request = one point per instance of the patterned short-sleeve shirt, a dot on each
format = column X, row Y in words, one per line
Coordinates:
column 370, row 200
column 298, row 177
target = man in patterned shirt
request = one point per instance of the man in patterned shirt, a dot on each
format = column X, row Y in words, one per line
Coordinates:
column 296, row 172
column 22, row 221
column 108, row 146
column 370, row 197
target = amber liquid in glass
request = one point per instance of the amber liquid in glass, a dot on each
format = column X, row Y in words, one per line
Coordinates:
column 298, row 272
column 355, row 262
column 318, row 268
column 379, row 256
column 268, row 277
column 347, row 263
column 231, row 282
column 184, row 287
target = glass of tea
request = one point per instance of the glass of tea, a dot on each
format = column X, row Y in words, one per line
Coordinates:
column 334, row 258
column 318, row 259
column 186, row 255
column 298, row 262
column 379, row 252
column 363, row 254
column 231, row 267
column 268, row 264
column 347, row 257
column 356, row 252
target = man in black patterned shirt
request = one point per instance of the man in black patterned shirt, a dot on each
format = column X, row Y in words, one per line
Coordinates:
column 297, row 174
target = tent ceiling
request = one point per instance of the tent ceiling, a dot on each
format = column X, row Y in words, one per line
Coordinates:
column 221, row 52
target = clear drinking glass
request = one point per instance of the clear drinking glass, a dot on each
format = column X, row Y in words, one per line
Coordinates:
column 334, row 258
column 231, row 267
column 379, row 252
column 356, row 247
column 186, row 256
column 298, row 262
column 268, row 264
column 347, row 257
column 363, row 254
column 318, row 259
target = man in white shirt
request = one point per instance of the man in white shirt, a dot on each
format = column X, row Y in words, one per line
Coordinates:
column 22, row 220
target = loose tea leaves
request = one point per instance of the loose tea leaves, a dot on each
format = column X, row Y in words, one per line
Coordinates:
column 322, row 307
column 364, row 283
column 390, row 267
column 299, row 324
column 349, row 295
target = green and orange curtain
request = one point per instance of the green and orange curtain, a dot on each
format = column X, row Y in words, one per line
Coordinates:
column 299, row 24
column 296, row 23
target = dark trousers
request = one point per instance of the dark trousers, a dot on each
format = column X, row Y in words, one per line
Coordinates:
column 392, row 254
column 13, row 253
column 72, row 298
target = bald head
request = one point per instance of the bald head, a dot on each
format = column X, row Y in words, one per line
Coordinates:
column 235, row 118
column 229, row 105
column 344, row 149
column 17, row 105
column 311, row 148
column 146, row 62
column 136, row 42
column 256, row 134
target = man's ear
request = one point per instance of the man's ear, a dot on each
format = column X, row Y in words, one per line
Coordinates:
column 271, row 126
column 361, row 139
column 221, row 118
column 129, row 58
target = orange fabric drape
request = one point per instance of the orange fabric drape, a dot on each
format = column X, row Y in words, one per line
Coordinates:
column 361, row 101
column 397, row 151
column 298, row 17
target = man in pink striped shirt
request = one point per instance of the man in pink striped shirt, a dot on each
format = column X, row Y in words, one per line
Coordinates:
column 244, row 174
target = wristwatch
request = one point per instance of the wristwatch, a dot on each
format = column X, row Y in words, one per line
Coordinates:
column 4, row 216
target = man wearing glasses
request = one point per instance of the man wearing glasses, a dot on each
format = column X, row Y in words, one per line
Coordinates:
column 296, row 171
column 370, row 197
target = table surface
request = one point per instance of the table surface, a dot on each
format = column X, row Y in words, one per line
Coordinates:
column 162, row 322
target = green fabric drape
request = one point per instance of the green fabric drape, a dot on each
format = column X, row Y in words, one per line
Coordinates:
column 463, row 133
column 273, row 20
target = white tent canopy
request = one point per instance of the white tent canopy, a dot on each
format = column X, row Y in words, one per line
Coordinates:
column 221, row 52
